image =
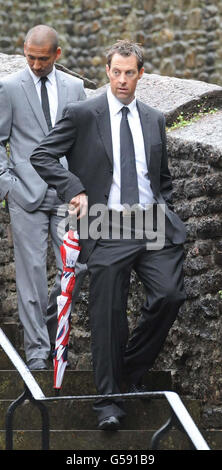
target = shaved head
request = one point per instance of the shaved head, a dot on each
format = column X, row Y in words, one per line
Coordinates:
column 41, row 49
column 40, row 35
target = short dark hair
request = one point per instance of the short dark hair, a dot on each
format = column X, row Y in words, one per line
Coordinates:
column 126, row 48
column 41, row 33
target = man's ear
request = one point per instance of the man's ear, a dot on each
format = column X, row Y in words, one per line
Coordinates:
column 58, row 53
column 107, row 70
column 141, row 72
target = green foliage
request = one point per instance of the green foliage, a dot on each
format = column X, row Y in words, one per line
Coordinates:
column 181, row 121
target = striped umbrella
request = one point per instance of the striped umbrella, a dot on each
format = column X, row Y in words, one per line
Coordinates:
column 69, row 253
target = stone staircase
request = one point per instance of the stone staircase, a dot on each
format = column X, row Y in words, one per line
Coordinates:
column 73, row 423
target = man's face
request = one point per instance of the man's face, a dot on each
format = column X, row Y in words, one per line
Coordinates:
column 123, row 74
column 41, row 58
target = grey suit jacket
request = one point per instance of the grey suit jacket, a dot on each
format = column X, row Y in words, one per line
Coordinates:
column 23, row 125
column 84, row 136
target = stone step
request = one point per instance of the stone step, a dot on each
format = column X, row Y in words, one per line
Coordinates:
column 76, row 382
column 72, row 414
column 96, row 440
column 73, row 424
column 13, row 332
column 15, row 336
column 5, row 363
column 100, row 440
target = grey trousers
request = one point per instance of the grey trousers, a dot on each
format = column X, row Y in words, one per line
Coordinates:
column 37, row 312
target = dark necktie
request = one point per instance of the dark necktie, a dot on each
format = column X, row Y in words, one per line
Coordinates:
column 45, row 102
column 129, row 182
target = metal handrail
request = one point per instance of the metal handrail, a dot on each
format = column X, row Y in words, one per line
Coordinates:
column 179, row 414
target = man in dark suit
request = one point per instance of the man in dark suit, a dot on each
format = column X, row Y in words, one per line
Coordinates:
column 116, row 150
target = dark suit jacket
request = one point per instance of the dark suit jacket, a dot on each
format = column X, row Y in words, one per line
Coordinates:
column 84, row 136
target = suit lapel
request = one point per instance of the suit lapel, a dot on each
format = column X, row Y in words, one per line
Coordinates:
column 31, row 94
column 104, row 125
column 62, row 95
column 146, row 128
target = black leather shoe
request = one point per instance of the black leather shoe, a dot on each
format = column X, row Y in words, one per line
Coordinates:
column 37, row 364
column 111, row 423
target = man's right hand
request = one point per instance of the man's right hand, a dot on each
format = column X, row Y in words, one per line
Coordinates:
column 78, row 205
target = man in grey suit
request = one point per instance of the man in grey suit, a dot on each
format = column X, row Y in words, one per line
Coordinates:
column 31, row 101
column 116, row 150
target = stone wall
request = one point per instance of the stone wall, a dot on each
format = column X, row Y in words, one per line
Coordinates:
column 181, row 38
column 194, row 345
column 193, row 349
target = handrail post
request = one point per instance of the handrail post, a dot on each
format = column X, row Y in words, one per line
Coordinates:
column 26, row 395
column 45, row 422
column 160, row 432
column 9, row 419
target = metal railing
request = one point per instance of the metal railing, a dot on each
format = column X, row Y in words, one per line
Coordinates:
column 179, row 418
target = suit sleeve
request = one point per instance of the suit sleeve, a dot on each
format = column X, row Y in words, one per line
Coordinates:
column 45, row 159
column 7, row 179
column 166, row 187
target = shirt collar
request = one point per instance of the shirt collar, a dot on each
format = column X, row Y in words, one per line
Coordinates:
column 51, row 76
column 115, row 105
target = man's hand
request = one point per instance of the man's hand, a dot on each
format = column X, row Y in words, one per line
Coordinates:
column 78, row 205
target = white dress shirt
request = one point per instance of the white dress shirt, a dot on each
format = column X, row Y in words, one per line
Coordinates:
column 145, row 192
column 51, row 86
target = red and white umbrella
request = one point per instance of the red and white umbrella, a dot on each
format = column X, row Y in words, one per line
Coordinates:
column 69, row 253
